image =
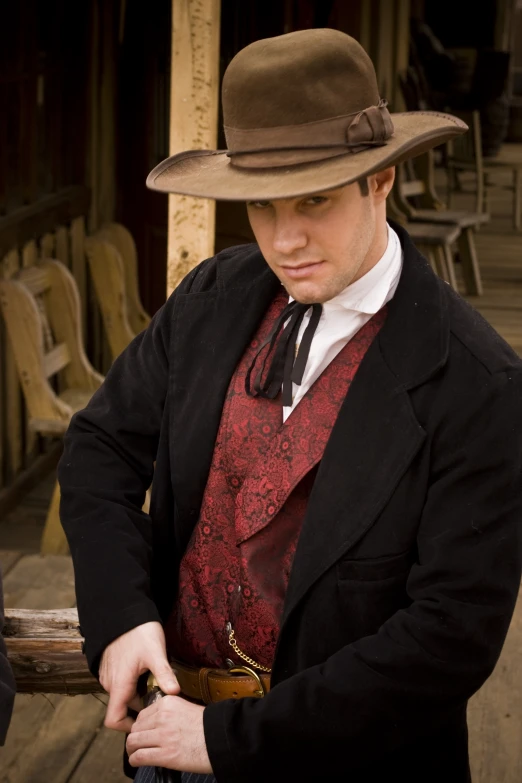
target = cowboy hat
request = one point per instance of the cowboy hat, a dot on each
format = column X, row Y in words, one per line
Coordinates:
column 302, row 113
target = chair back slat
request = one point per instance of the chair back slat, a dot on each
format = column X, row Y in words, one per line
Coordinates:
column 35, row 279
column 41, row 310
column 413, row 188
column 56, row 359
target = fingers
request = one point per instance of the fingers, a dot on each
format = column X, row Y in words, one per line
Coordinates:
column 148, row 757
column 120, row 697
column 165, row 677
column 142, row 739
column 146, row 719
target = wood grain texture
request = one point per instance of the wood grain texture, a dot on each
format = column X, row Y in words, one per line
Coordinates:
column 50, row 666
column 106, row 266
column 193, row 125
column 49, row 735
column 78, row 266
column 495, row 715
column 102, row 761
column 57, row 742
column 38, row 582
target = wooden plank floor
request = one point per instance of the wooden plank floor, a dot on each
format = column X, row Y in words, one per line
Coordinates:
column 62, row 739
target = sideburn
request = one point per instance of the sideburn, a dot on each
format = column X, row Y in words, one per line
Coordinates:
column 363, row 186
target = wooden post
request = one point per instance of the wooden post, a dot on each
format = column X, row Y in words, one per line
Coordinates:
column 383, row 55
column 402, row 52
column 365, row 35
column 506, row 10
column 194, row 101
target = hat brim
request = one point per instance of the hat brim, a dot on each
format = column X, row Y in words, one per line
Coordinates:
column 211, row 174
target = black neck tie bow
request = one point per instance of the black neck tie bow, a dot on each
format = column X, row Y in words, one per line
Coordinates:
column 285, row 367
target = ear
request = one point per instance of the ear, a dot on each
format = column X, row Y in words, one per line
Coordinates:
column 382, row 183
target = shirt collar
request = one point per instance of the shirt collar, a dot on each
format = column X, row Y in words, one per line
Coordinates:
column 372, row 290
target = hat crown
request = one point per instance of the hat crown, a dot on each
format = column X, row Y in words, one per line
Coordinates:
column 297, row 78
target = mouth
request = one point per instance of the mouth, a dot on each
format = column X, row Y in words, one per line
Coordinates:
column 302, row 270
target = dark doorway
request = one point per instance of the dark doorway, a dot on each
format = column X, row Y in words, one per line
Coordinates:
column 142, row 139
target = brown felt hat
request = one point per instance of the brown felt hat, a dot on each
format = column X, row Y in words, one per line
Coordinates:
column 302, row 114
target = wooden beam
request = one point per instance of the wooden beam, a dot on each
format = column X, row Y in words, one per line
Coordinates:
column 45, row 652
column 42, row 216
column 194, row 99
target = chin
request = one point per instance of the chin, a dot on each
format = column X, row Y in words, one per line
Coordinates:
column 305, row 298
column 308, row 294
column 304, row 293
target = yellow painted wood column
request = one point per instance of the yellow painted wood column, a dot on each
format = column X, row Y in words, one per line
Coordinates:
column 194, row 100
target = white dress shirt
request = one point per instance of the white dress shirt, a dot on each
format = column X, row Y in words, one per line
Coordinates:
column 346, row 313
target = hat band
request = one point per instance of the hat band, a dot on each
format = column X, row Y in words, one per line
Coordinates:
column 288, row 145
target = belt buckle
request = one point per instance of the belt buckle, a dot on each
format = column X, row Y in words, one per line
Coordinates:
column 260, row 692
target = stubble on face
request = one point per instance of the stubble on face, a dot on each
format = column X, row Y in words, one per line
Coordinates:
column 340, row 235
column 346, row 264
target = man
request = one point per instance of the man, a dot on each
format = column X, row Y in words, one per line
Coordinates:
column 333, row 551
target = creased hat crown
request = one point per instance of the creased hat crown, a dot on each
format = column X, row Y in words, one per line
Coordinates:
column 300, row 77
column 302, row 114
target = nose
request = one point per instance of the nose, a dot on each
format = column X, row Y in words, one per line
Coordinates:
column 289, row 235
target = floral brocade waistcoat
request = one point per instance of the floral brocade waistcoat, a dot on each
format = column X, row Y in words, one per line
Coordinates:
column 238, row 561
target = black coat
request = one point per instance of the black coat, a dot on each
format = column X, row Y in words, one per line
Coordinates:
column 408, row 564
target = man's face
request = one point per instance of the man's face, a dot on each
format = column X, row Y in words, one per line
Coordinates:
column 319, row 244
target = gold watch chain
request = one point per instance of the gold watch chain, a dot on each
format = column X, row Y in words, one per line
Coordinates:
column 232, row 642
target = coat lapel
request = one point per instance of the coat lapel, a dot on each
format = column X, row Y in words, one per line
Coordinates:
column 376, row 435
column 375, row 438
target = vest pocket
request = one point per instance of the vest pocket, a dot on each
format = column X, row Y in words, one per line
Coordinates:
column 375, row 569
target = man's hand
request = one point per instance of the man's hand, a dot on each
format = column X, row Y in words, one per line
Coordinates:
column 123, row 661
column 169, row 734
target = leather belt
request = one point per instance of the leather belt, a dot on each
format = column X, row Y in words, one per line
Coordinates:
column 211, row 685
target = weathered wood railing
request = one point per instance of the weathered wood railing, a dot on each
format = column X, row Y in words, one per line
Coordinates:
column 45, row 652
column 52, row 227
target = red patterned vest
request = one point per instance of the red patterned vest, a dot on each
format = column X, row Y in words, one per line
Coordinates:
column 238, row 561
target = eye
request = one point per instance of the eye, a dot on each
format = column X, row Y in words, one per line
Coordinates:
column 259, row 204
column 316, row 200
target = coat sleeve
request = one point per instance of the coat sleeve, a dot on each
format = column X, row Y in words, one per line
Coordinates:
column 106, row 467
column 420, row 668
column 7, row 682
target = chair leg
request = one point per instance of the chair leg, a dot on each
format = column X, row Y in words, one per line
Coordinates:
column 481, row 202
column 517, row 198
column 448, row 186
column 54, row 541
column 452, row 185
column 469, row 261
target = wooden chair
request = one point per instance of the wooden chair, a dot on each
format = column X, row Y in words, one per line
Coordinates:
column 41, row 309
column 464, row 154
column 431, row 210
column 111, row 254
column 435, row 241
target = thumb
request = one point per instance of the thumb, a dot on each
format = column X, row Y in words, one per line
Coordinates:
column 165, row 677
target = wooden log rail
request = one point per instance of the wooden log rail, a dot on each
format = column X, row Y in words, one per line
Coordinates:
column 45, row 652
